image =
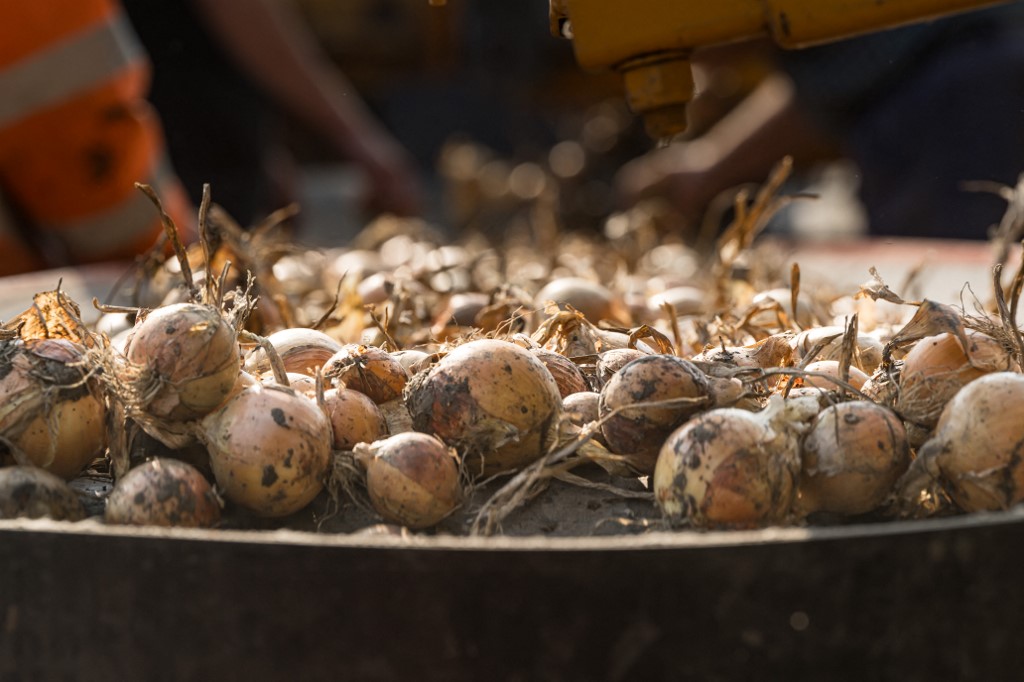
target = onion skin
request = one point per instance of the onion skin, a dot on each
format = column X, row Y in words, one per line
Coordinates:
column 270, row 449
column 978, row 446
column 354, row 418
column 369, row 370
column 638, row 433
column 47, row 410
column 851, row 459
column 492, row 400
column 163, row 492
column 412, row 479
column 189, row 354
column 31, row 492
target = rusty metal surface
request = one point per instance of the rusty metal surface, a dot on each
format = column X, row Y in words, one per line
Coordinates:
column 908, row 601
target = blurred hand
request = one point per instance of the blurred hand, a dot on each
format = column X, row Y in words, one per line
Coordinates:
column 681, row 173
column 395, row 185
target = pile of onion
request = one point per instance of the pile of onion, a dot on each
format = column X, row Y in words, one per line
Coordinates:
column 492, row 400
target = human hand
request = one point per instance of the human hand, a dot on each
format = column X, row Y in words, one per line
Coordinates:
column 682, row 173
column 394, row 183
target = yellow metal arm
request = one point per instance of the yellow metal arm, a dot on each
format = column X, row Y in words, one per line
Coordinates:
column 649, row 41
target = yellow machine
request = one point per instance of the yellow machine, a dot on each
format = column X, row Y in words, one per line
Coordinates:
column 649, row 41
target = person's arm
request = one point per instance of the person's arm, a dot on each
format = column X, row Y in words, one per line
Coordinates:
column 743, row 147
column 273, row 46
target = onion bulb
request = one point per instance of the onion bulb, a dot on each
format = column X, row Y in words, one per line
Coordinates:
column 977, row 451
column 163, row 492
column 830, row 368
column 185, row 359
column 592, row 299
column 638, row 432
column 852, row 458
column 31, row 492
column 563, row 370
column 938, row 366
column 49, row 415
column 611, row 361
column 581, row 408
column 301, row 350
column 371, row 371
column 492, row 400
column 866, row 357
column 354, row 418
column 412, row 479
column 270, row 448
column 732, row 468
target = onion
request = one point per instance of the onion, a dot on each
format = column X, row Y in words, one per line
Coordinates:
column 397, row 416
column 733, row 468
column 163, row 492
column 28, row 491
column 354, row 418
column 369, row 370
column 852, row 458
column 412, row 360
column 592, row 299
column 581, row 408
column 492, row 400
column 938, row 366
column 830, row 368
column 49, row 415
column 412, row 479
column 867, row 357
column 184, row 360
column 806, row 312
column 302, row 383
column 639, row 432
column 563, row 370
column 459, row 314
column 774, row 351
column 977, row 451
column 611, row 361
column 684, row 300
column 301, row 350
column 270, row 448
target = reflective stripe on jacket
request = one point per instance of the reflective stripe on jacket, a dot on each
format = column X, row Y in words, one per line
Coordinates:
column 76, row 133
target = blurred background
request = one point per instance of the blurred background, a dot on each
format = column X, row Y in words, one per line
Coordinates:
column 461, row 86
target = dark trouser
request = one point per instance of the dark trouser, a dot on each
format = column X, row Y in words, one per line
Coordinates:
column 960, row 119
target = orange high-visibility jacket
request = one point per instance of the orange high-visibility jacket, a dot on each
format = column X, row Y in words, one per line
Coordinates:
column 75, row 135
